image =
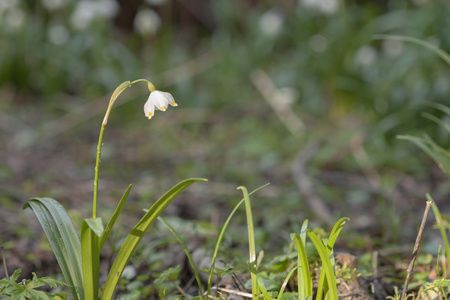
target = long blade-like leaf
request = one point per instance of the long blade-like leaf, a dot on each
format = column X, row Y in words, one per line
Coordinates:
column 63, row 239
column 304, row 276
column 91, row 231
column 137, row 233
column 220, row 237
column 326, row 266
column 444, row 55
column 114, row 217
column 251, row 241
column 285, row 282
column 330, row 244
column 440, row 224
column 261, row 286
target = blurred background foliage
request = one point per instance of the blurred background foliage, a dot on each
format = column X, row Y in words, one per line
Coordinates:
column 295, row 93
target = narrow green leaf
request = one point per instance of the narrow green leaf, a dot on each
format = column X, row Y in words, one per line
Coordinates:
column 261, row 286
column 251, row 241
column 440, row 224
column 188, row 254
column 329, row 246
column 437, row 153
column 303, row 231
column 220, row 237
column 437, row 121
column 91, row 231
column 285, row 282
column 137, row 233
column 63, row 239
column 114, row 217
column 403, row 38
column 303, row 276
column 326, row 266
column 335, row 233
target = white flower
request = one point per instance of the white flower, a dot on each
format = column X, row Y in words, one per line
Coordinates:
column 159, row 100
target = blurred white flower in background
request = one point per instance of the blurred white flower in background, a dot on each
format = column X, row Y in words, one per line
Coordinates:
column 87, row 10
column 159, row 100
column 147, row 22
column 11, row 15
column 58, row 34
column 318, row 43
column 15, row 17
column 365, row 56
column 271, row 22
column 53, row 4
column 6, row 4
column 323, row 6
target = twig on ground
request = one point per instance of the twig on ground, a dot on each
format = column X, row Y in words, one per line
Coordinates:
column 305, row 185
column 416, row 250
column 278, row 101
column 233, row 292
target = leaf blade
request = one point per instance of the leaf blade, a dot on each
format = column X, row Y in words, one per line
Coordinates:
column 63, row 239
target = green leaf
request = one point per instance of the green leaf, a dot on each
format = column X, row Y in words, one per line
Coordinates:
column 304, row 276
column 63, row 239
column 329, row 246
column 437, row 153
column 135, row 237
column 262, row 287
column 91, row 231
column 114, row 217
column 285, row 282
column 220, row 237
column 326, row 266
column 404, row 38
column 440, row 224
column 251, row 241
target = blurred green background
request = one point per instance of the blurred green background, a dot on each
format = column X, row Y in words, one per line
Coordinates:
column 295, row 93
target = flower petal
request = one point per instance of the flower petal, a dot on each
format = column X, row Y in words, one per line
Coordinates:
column 159, row 100
column 149, row 108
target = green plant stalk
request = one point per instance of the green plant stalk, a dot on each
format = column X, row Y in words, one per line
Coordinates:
column 97, row 165
column 188, row 254
column 437, row 215
column 123, row 86
column 251, row 241
column 220, row 237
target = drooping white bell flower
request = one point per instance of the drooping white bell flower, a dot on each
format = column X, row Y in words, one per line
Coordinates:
column 159, row 100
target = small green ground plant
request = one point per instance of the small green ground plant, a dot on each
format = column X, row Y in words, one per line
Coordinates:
column 79, row 258
column 28, row 288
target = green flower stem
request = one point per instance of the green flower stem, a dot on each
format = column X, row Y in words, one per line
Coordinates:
column 123, row 86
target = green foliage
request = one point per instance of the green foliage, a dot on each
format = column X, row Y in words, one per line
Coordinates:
column 27, row 288
column 63, row 239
